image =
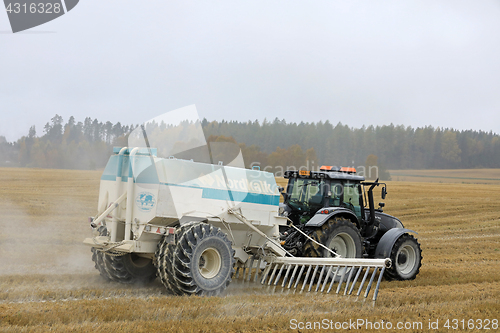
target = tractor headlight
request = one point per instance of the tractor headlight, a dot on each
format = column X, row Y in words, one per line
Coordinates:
column 283, row 211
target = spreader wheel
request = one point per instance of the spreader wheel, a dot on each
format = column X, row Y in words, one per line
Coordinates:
column 163, row 261
column 98, row 256
column 127, row 268
column 130, row 268
column 203, row 260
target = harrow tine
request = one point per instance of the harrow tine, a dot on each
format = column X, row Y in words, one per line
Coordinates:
column 289, row 268
column 244, row 270
column 272, row 275
column 298, row 276
column 237, row 272
column 320, row 277
column 375, row 292
column 312, row 278
column 355, row 280
column 305, row 280
column 293, row 276
column 250, row 269
column 286, row 273
column 279, row 274
column 348, row 280
column 341, row 279
column 326, row 278
column 363, row 281
column 257, row 270
column 371, row 281
column 264, row 274
column 333, row 280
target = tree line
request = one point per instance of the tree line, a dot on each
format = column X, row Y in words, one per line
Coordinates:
column 397, row 147
column 274, row 146
column 70, row 145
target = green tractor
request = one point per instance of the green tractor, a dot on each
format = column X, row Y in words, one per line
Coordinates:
column 335, row 207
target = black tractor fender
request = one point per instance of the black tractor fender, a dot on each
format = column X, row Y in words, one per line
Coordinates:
column 384, row 246
column 319, row 219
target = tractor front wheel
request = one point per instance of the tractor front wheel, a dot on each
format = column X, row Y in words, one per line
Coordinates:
column 406, row 257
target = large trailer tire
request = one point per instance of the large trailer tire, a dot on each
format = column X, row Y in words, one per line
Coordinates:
column 338, row 234
column 163, row 257
column 159, row 261
column 406, row 256
column 127, row 268
column 203, row 260
column 130, row 268
column 98, row 257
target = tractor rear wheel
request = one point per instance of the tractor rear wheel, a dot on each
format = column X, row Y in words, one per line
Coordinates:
column 406, row 256
column 341, row 236
column 203, row 260
column 338, row 234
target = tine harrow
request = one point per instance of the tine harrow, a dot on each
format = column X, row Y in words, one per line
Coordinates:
column 252, row 266
column 319, row 272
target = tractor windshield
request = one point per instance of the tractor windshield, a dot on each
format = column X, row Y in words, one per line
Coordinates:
column 306, row 194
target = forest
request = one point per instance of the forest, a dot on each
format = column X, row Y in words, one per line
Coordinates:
column 274, row 145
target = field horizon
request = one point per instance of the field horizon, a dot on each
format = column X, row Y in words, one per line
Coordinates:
column 466, row 176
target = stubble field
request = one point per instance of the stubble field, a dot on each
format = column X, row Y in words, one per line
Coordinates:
column 48, row 282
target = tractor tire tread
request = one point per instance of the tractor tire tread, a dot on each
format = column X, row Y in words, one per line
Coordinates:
column 320, row 235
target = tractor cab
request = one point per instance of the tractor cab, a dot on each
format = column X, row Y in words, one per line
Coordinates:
column 333, row 208
column 310, row 191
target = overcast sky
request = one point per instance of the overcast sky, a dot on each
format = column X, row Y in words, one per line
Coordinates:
column 414, row 63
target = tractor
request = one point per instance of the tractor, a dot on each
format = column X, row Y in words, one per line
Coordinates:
column 335, row 207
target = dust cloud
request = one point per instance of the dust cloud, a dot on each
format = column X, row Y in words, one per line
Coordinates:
column 43, row 258
column 44, row 245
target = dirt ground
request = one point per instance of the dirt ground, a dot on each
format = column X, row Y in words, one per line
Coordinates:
column 48, row 281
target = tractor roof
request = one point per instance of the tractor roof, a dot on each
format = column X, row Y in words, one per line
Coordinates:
column 329, row 172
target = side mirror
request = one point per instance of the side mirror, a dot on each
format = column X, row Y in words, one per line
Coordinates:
column 283, row 193
column 384, row 192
